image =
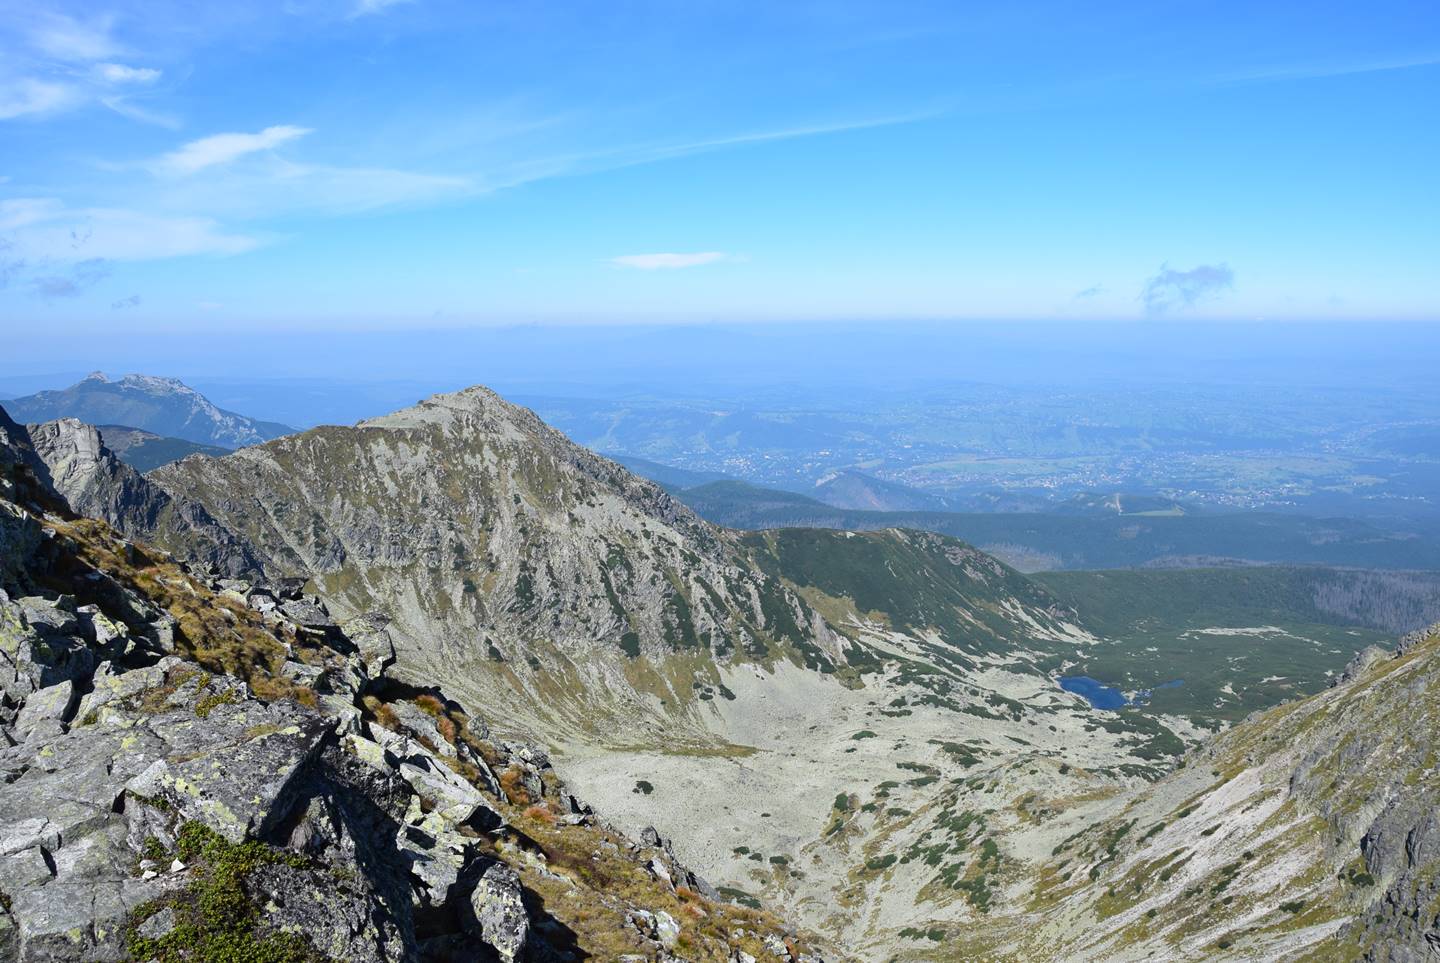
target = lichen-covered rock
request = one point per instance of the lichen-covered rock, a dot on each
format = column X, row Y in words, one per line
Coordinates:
column 498, row 916
column 45, row 711
column 231, row 760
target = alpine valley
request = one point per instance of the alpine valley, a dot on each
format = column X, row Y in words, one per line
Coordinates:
column 369, row 673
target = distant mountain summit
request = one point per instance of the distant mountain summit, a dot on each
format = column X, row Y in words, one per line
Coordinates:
column 856, row 490
column 164, row 406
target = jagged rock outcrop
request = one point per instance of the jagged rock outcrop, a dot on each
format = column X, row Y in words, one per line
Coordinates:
column 69, row 458
column 186, row 772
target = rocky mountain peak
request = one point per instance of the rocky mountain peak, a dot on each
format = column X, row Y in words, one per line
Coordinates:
column 499, row 534
column 157, row 384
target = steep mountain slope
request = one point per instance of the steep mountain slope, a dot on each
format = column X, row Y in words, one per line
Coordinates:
column 70, row 459
column 1307, row 833
column 197, row 770
column 507, row 555
column 145, row 450
column 164, row 406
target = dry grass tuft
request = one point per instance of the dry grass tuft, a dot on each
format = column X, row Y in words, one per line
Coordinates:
column 541, row 813
column 512, row 784
column 430, row 705
column 381, row 713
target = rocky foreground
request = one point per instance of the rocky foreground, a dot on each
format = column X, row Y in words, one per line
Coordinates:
column 195, row 769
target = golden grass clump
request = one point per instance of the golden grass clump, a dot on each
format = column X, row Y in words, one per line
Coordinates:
column 430, row 705
column 541, row 813
column 381, row 713
column 512, row 784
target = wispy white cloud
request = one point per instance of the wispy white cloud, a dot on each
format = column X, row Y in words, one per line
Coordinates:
column 1311, row 71
column 634, row 155
column 31, row 95
column 112, row 73
column 665, row 262
column 46, row 230
column 791, row 133
column 364, row 8
column 272, row 186
column 224, row 148
column 1171, row 289
column 126, row 107
column 68, row 38
column 59, row 63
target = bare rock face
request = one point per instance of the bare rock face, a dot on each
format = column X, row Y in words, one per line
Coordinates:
column 70, row 459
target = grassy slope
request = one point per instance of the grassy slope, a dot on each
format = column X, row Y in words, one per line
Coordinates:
column 1240, row 639
column 915, row 580
column 150, row 454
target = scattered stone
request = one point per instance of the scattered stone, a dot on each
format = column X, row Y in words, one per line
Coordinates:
column 159, row 925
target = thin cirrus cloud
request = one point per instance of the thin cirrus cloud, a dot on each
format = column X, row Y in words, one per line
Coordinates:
column 219, row 149
column 123, row 74
column 64, row 63
column 1315, row 71
column 1171, row 289
column 45, row 230
column 30, row 95
column 364, row 8
column 668, row 261
column 71, row 39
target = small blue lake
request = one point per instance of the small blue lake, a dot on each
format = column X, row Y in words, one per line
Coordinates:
column 1103, row 696
column 1098, row 694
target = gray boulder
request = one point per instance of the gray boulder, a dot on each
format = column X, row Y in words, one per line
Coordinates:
column 497, row 912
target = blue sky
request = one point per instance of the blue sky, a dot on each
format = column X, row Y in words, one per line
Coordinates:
column 370, row 164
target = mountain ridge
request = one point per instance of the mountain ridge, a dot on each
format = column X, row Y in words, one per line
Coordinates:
column 164, row 406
